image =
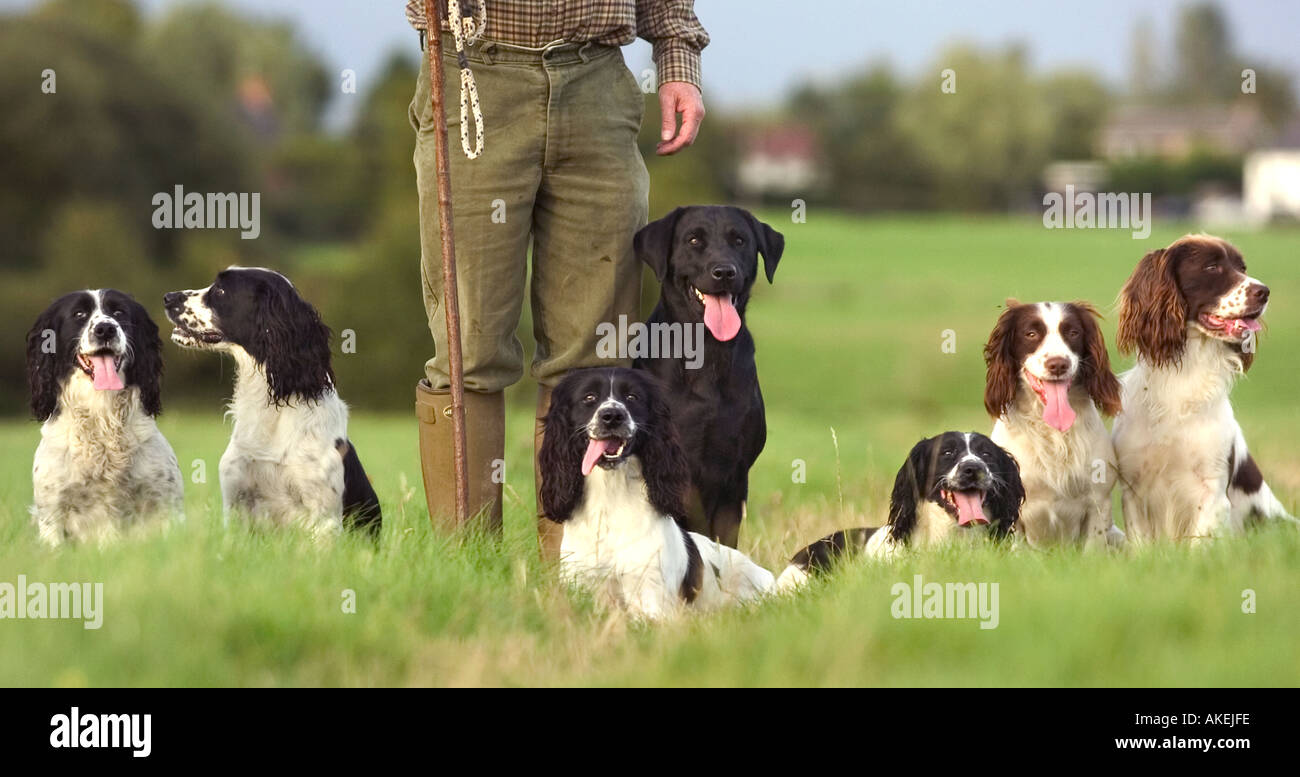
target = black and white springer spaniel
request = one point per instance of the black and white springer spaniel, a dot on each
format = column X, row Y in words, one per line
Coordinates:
column 289, row 460
column 94, row 368
column 954, row 487
column 614, row 473
column 1048, row 384
column 1192, row 313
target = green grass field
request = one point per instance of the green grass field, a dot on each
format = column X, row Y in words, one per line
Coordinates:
column 850, row 350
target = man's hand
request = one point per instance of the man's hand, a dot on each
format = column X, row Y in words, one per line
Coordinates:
column 679, row 97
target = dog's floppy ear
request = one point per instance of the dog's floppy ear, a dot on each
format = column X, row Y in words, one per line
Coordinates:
column 43, row 366
column 1004, row 500
column 663, row 462
column 560, row 459
column 1002, row 378
column 771, row 244
column 293, row 344
column 1101, row 383
column 146, row 367
column 653, row 243
column 909, row 489
column 1152, row 312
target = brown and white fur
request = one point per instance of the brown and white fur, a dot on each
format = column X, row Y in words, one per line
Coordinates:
column 1191, row 312
column 1047, row 387
column 94, row 367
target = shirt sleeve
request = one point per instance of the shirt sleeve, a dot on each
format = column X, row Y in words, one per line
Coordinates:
column 677, row 36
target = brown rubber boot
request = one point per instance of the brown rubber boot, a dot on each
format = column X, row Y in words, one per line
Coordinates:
column 485, row 443
column 549, row 533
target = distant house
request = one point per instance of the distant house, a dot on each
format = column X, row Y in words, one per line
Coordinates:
column 1171, row 132
column 779, row 160
column 1271, row 184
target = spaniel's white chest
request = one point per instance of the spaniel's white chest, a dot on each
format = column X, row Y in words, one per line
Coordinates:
column 617, row 544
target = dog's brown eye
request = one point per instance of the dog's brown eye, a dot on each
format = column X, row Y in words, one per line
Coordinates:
column 740, row 241
column 79, row 314
column 589, row 398
column 1031, row 335
column 1212, row 268
column 694, row 241
column 631, row 397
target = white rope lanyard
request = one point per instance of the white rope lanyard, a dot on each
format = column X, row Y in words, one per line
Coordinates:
column 466, row 31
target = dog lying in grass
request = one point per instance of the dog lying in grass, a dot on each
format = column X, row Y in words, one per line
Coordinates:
column 614, row 473
column 954, row 487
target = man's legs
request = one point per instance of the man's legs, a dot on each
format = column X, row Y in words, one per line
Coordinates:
column 592, row 200
column 493, row 201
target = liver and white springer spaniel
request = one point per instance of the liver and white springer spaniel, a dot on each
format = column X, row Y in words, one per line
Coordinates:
column 1192, row 313
column 1048, row 385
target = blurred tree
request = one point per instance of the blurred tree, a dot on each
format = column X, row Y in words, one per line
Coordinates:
column 1077, row 104
column 1144, row 72
column 382, row 142
column 314, row 189
column 1275, row 92
column 118, row 20
column 111, row 131
column 985, row 142
column 1203, row 57
column 256, row 70
column 1209, row 70
column 870, row 163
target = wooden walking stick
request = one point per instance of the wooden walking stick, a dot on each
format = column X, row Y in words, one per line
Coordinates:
column 450, row 299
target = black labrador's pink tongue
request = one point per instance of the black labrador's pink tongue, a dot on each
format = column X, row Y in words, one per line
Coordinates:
column 596, row 449
column 970, row 507
column 720, row 316
column 1057, row 412
column 106, row 377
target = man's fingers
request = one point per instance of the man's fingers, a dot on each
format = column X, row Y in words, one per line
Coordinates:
column 668, row 115
column 691, row 119
column 675, row 99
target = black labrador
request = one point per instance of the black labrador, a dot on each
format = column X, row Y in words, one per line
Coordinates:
column 706, row 260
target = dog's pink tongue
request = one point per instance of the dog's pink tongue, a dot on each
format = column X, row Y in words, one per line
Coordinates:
column 970, row 507
column 1057, row 412
column 1248, row 324
column 720, row 316
column 106, row 377
column 596, row 449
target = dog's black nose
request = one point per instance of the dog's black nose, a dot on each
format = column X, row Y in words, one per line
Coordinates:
column 970, row 470
column 611, row 417
column 173, row 299
column 723, row 272
column 1057, row 366
column 104, row 331
column 1258, row 293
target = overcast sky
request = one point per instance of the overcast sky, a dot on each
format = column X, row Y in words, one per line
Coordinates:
column 761, row 48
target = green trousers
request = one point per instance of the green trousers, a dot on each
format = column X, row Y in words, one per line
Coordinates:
column 560, row 173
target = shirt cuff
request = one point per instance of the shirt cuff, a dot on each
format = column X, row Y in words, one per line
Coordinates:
column 676, row 60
